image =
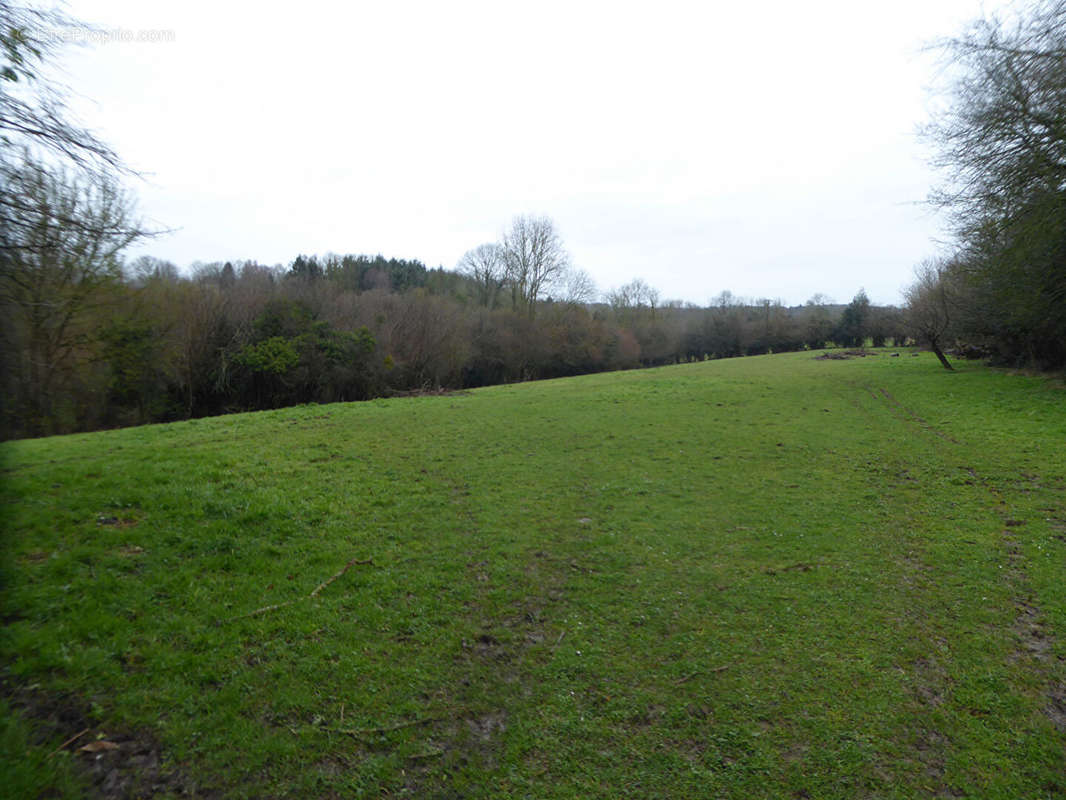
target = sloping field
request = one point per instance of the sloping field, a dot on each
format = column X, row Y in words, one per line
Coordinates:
column 756, row 578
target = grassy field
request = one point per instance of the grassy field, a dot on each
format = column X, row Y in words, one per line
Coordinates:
column 755, row 578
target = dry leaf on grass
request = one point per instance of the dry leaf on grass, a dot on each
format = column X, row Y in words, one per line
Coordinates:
column 100, row 746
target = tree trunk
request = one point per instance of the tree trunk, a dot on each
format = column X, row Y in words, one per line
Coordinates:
column 940, row 354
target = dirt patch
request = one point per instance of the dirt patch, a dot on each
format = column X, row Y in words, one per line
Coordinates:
column 1034, row 640
column 132, row 769
column 488, row 647
column 493, row 663
column 930, row 680
column 1029, row 628
column 1056, row 708
column 115, row 764
column 486, row 726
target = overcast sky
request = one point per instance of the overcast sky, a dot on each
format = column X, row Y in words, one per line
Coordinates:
column 764, row 148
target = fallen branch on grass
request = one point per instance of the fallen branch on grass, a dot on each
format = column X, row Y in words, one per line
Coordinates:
column 343, row 569
column 264, row 610
column 73, row 738
column 314, row 593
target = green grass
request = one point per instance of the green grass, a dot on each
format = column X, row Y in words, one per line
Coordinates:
column 758, row 578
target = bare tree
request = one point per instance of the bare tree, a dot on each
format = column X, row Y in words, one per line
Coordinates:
column 486, row 265
column 534, row 258
column 37, row 134
column 633, row 295
column 64, row 219
column 145, row 269
column 1001, row 140
column 32, row 105
column 55, row 268
column 818, row 321
column 578, row 287
column 928, row 311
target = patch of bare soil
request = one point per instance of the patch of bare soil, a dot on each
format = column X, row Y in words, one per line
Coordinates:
column 931, row 680
column 1056, row 709
column 115, row 764
column 488, row 725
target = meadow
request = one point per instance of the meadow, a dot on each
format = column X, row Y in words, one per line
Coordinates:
column 768, row 577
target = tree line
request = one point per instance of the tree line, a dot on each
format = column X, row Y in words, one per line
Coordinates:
column 1000, row 290
column 88, row 340
column 127, row 344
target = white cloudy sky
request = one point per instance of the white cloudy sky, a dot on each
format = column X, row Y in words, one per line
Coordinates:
column 766, row 148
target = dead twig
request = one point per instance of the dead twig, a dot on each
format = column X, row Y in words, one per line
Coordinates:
column 71, row 740
column 314, row 592
column 344, row 569
column 264, row 610
column 692, row 675
column 421, row 756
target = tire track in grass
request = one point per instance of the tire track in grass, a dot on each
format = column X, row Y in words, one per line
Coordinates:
column 1035, row 642
column 515, row 597
column 930, row 680
column 909, row 415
